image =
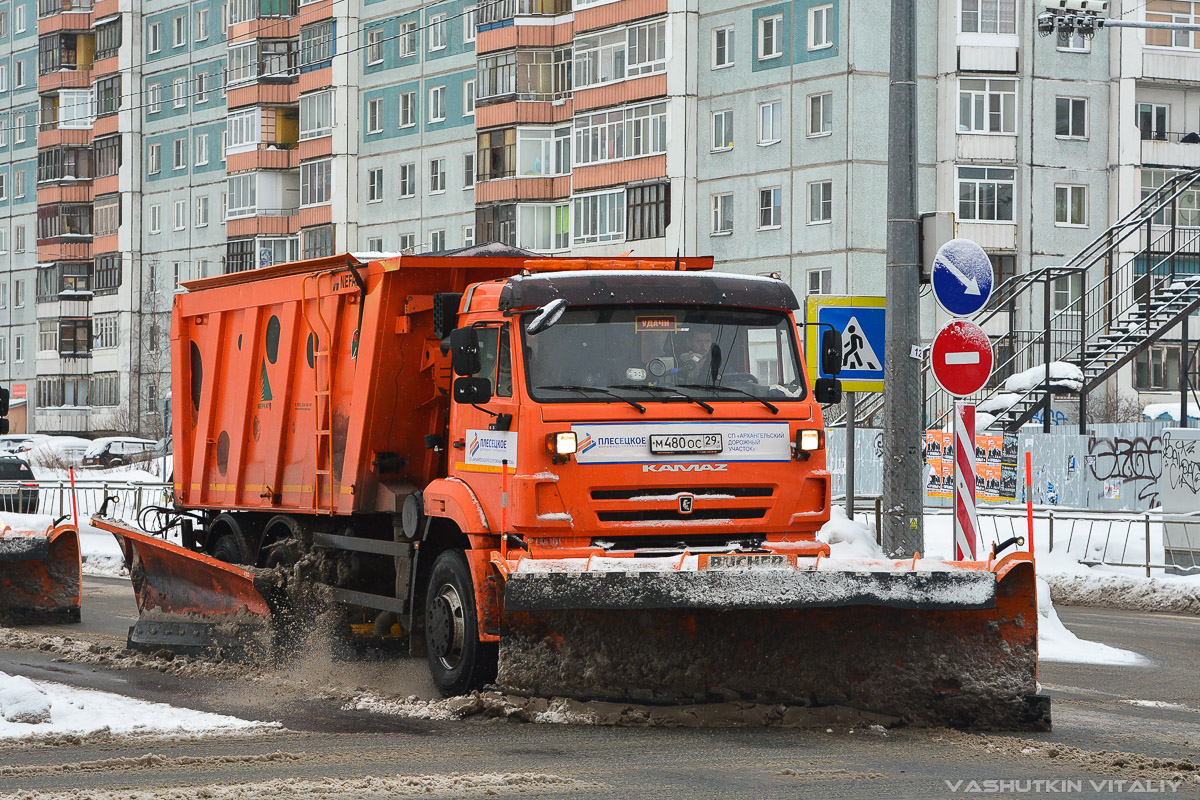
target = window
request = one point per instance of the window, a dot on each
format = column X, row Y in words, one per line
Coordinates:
column 647, row 49
column 21, row 124
column 770, row 122
column 1152, row 121
column 201, row 212
column 408, row 109
column 156, row 218
column 600, row 58
column 375, row 185
column 600, row 217
column 178, row 31
column 108, row 215
column 180, row 215
column 242, row 64
column 1070, row 205
column 820, row 202
column 3, row 77
column 154, row 37
column 201, row 24
column 1179, row 13
column 544, row 227
column 985, row 194
column 375, row 115
column 316, row 115
column 408, row 180
column 19, row 239
column 820, row 281
column 437, row 104
column 4, row 23
column 987, row 106
column 316, row 182
column 375, row 244
column 3, row 185
column 19, row 345
column 241, row 198
column 19, row 293
column 76, row 108
column 437, row 241
column 770, row 207
column 408, row 39
column 469, row 98
column 770, row 37
column 3, row 242
column 106, row 388
column 468, row 25
column 648, row 211
column 4, row 356
column 722, row 47
column 375, row 46
column 104, row 331
column 820, row 34
column 1073, row 42
column 179, row 154
column 108, row 39
column 468, row 170
column 722, row 214
column 989, row 16
column 1070, row 117
column 497, row 154
column 19, row 22
column 154, row 98
column 1157, row 367
column 820, row 114
column 407, row 243
column 19, row 74
column 468, row 235
column 154, row 158
column 74, row 337
column 621, row 133
column 316, row 45
column 201, row 149
column 47, row 335
column 543, row 151
column 437, row 32
column 1065, row 293
column 201, row 95
column 4, row 294
column 239, row 255
column 437, row 175
column 18, row 183
column 318, row 242
column 108, row 95
column 722, row 130
column 241, row 130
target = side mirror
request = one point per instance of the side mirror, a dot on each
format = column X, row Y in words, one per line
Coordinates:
column 831, row 352
column 472, row 391
column 464, row 351
column 828, row 391
column 546, row 316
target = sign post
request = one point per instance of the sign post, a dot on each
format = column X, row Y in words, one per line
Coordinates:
column 966, row 517
column 851, row 410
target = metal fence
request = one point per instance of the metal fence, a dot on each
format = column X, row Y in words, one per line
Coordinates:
column 54, row 497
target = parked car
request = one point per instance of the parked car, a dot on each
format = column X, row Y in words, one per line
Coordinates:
column 18, row 492
column 20, row 442
column 117, row 451
column 57, row 452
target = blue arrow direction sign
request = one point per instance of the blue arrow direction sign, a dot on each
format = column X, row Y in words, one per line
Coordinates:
column 962, row 277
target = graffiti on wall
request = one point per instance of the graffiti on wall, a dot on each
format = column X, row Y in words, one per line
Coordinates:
column 1181, row 461
column 1136, row 463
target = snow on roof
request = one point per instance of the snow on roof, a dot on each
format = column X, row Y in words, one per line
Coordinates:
column 1170, row 411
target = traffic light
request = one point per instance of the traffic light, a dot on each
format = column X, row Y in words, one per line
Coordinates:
column 3, row 411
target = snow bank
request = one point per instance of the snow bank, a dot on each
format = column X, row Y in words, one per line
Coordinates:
column 29, row 708
column 1062, row 375
column 847, row 538
column 1056, row 643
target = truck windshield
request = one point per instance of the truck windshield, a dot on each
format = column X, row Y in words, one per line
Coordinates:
column 711, row 353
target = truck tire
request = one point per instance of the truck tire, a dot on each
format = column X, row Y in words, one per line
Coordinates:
column 232, row 548
column 458, row 661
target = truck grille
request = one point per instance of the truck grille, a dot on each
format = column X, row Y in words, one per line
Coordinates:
column 667, row 491
column 661, row 503
column 673, row 515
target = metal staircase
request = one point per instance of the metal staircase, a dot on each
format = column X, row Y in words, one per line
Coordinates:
column 1134, row 283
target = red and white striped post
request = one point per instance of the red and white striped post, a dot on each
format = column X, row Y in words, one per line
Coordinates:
column 966, row 520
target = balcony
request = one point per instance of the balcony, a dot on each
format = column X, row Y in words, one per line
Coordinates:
column 271, row 156
column 528, row 75
column 504, row 12
column 50, row 8
column 247, row 10
column 263, row 61
column 1169, row 149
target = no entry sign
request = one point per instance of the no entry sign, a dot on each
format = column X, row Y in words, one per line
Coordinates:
column 962, row 358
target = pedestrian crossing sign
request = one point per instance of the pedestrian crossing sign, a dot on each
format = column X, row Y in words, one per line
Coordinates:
column 861, row 321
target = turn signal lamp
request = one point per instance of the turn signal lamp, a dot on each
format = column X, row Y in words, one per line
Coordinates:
column 563, row 443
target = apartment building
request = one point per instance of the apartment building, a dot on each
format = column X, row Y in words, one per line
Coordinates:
column 166, row 140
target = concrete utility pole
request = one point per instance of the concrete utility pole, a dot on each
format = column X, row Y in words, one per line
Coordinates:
column 903, row 407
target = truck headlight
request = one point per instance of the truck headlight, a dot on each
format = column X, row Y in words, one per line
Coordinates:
column 811, row 440
column 561, row 444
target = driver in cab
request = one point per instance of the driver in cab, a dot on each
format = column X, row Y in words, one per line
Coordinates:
column 693, row 354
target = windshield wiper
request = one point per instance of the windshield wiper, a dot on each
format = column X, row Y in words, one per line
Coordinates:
column 586, row 389
column 671, row 390
column 774, row 408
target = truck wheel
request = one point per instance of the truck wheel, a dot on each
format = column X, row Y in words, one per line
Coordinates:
column 457, row 659
column 232, row 548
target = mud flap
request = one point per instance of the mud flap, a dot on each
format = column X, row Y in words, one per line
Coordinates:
column 932, row 651
column 188, row 602
column 40, row 575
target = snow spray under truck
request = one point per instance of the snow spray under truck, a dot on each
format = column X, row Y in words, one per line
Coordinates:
column 599, row 478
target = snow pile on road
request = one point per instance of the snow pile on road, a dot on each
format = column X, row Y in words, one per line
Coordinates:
column 1056, row 643
column 848, row 538
column 29, row 708
column 1063, row 375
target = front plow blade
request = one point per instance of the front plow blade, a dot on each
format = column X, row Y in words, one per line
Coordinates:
column 188, row 602
column 40, row 575
column 929, row 647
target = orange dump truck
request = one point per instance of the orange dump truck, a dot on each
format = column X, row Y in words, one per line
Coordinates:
column 600, row 478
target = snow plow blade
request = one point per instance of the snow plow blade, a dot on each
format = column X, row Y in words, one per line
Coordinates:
column 40, row 575
column 941, row 644
column 189, row 602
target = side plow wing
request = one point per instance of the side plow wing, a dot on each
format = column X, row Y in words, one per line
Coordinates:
column 945, row 646
column 40, row 575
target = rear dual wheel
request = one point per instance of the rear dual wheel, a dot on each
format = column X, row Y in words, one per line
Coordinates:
column 458, row 661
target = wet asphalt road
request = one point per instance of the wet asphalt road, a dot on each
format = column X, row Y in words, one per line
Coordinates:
column 1090, row 712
